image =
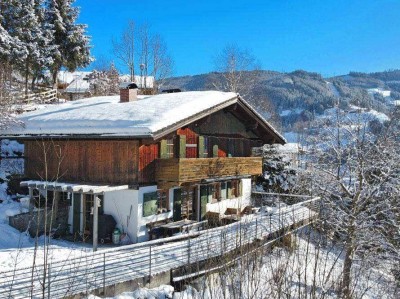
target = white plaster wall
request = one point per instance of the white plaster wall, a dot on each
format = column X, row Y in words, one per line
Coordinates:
column 123, row 206
column 142, row 234
column 239, row 202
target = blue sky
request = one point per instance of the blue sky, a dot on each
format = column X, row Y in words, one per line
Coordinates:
column 328, row 37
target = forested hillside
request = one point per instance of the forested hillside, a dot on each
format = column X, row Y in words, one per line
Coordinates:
column 300, row 96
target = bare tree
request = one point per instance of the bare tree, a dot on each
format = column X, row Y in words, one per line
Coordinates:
column 161, row 60
column 124, row 48
column 150, row 53
column 239, row 69
column 155, row 60
column 102, row 64
column 357, row 174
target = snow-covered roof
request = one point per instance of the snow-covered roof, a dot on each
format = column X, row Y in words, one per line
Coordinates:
column 107, row 116
column 68, row 77
column 149, row 116
column 79, row 85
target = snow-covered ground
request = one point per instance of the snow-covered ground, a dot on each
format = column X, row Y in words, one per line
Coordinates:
column 333, row 89
column 313, row 265
column 11, row 148
column 384, row 93
column 355, row 114
column 17, row 249
column 308, row 266
column 290, row 112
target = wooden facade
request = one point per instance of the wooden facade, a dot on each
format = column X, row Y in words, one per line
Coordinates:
column 219, row 140
column 147, row 163
column 175, row 172
column 88, row 161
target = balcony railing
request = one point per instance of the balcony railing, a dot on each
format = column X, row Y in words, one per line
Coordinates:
column 174, row 172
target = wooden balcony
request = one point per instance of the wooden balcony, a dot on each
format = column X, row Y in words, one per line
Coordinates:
column 174, row 172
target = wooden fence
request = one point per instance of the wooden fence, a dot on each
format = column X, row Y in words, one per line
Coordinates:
column 104, row 268
column 41, row 97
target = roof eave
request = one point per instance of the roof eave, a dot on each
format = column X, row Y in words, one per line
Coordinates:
column 172, row 128
column 75, row 136
column 267, row 126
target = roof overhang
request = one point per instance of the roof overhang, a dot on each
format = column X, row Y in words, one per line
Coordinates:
column 165, row 131
column 67, row 187
column 276, row 136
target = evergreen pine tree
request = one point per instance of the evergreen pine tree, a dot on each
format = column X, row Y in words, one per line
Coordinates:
column 113, row 76
column 25, row 25
column 45, row 43
column 72, row 43
column 10, row 46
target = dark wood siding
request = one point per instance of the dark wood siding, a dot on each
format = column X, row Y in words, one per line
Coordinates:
column 191, row 142
column 147, row 165
column 83, row 161
column 223, row 124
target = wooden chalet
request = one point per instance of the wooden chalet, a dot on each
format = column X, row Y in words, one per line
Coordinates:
column 149, row 159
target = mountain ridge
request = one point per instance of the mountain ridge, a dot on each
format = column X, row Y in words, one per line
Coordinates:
column 304, row 93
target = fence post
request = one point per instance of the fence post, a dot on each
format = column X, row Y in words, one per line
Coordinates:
column 240, row 235
column 222, row 251
column 256, row 227
column 188, row 261
column 104, row 273
column 48, row 281
column 150, row 266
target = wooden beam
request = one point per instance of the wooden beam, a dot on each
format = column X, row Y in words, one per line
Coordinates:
column 96, row 203
column 230, row 108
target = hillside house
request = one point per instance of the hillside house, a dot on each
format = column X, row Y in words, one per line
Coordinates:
column 79, row 88
column 146, row 158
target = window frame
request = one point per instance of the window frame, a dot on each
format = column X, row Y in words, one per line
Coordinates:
column 160, row 205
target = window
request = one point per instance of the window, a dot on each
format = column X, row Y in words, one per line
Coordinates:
column 205, row 154
column 167, row 148
column 203, row 147
column 163, row 201
column 234, row 188
column 215, row 192
column 170, row 148
column 223, row 191
column 155, row 203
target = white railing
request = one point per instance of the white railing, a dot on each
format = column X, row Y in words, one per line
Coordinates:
column 96, row 271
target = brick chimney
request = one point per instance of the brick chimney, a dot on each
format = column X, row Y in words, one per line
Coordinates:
column 128, row 92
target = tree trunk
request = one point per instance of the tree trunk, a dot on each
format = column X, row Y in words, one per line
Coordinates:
column 55, row 78
column 348, row 262
column 26, row 76
column 33, row 82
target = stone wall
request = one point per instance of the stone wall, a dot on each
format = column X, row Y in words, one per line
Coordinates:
column 34, row 222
